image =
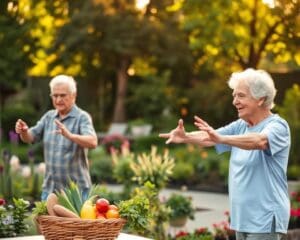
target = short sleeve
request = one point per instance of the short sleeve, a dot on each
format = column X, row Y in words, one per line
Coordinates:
column 278, row 134
column 230, row 129
column 37, row 131
column 86, row 125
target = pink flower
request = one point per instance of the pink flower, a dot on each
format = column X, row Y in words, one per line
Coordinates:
column 293, row 194
column 181, row 234
column 201, row 230
column 2, row 202
column 295, row 212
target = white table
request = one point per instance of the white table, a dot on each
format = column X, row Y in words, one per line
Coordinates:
column 122, row 236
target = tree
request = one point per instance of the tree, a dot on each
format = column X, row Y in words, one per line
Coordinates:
column 14, row 59
column 108, row 36
column 240, row 33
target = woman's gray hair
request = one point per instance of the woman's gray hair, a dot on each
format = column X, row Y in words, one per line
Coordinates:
column 261, row 84
column 63, row 79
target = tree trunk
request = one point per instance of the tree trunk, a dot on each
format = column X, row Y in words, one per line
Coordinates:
column 122, row 82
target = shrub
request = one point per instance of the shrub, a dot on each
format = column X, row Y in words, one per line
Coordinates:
column 181, row 206
column 101, row 166
column 290, row 111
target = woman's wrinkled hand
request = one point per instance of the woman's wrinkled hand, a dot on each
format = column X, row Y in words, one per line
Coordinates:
column 177, row 135
column 204, row 126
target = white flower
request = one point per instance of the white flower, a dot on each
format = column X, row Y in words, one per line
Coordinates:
column 14, row 163
column 26, row 172
column 41, row 168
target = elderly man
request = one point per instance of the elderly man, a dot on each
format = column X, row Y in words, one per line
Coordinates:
column 259, row 143
column 66, row 132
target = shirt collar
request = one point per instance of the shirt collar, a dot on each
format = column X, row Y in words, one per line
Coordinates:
column 73, row 113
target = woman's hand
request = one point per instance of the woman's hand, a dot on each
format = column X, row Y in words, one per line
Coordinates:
column 177, row 135
column 213, row 135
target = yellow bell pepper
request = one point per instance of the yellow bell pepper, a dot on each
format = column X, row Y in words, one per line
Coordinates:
column 88, row 210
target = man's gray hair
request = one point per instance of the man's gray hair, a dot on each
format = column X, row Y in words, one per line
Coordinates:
column 260, row 83
column 63, row 79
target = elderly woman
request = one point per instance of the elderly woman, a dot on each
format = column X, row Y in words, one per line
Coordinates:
column 259, row 143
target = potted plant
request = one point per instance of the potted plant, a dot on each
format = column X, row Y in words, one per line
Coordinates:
column 181, row 209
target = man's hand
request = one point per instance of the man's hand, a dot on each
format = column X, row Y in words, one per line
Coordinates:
column 61, row 129
column 21, row 127
column 177, row 135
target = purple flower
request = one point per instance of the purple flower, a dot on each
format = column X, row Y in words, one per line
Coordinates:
column 13, row 137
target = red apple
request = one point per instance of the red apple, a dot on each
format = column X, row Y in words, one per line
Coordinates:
column 102, row 205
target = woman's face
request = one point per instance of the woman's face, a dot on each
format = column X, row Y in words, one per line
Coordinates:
column 62, row 99
column 245, row 104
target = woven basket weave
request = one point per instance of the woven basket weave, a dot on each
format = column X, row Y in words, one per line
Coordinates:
column 54, row 228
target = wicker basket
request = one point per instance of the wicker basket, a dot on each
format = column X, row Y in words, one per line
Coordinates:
column 54, row 228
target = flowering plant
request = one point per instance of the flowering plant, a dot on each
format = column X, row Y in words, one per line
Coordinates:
column 295, row 210
column 115, row 142
column 199, row 234
column 12, row 218
column 181, row 206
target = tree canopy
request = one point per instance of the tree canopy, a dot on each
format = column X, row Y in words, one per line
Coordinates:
column 111, row 44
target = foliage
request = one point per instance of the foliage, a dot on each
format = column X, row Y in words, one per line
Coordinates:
column 40, row 208
column 101, row 168
column 199, row 234
column 295, row 210
column 153, row 167
column 103, row 191
column 290, row 111
column 207, row 93
column 249, row 42
column 210, row 169
column 12, row 218
column 152, row 172
column 181, row 206
column 143, row 144
column 122, row 171
column 17, row 181
column 115, row 142
column 137, row 209
column 14, row 28
column 156, row 92
column 293, row 172
column 183, row 172
column 11, row 112
column 71, row 198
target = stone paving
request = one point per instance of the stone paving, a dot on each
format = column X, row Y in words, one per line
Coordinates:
column 211, row 208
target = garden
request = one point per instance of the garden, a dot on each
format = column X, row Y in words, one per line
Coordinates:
column 142, row 175
column 148, row 63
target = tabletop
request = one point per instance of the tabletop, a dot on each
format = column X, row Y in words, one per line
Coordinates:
column 122, row 236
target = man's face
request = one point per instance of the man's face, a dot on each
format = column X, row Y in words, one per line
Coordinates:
column 62, row 99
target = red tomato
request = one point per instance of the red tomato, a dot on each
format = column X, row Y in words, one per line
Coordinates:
column 102, row 205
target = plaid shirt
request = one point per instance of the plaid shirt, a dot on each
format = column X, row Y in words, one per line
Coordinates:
column 65, row 160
